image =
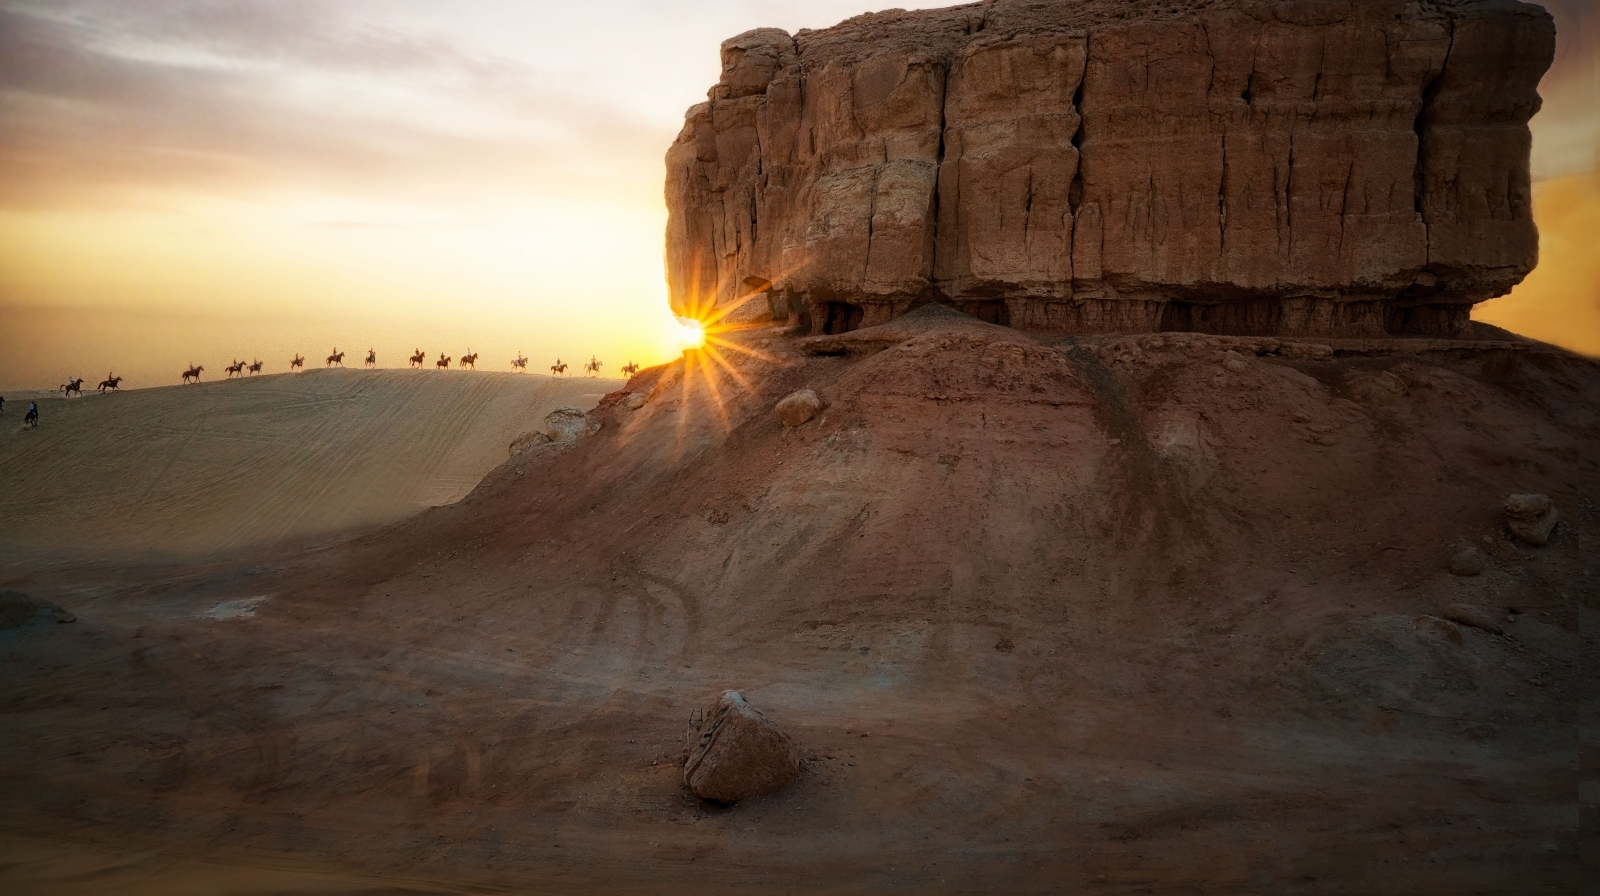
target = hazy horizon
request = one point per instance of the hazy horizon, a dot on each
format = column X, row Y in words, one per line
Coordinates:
column 184, row 182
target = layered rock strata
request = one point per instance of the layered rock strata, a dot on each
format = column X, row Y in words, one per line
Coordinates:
column 1325, row 167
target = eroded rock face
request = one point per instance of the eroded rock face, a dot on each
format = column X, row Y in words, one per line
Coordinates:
column 1321, row 167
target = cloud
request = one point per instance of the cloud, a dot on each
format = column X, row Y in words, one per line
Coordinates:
column 96, row 96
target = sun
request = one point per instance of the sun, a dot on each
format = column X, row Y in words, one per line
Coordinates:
column 691, row 333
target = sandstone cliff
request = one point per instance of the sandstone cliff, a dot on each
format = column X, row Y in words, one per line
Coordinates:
column 1232, row 166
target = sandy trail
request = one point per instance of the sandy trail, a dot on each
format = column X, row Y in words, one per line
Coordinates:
column 261, row 461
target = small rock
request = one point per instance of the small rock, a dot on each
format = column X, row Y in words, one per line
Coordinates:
column 1467, row 562
column 1441, row 627
column 1390, row 382
column 1531, row 517
column 1477, row 617
column 634, row 401
column 737, row 753
column 1234, row 362
column 798, row 407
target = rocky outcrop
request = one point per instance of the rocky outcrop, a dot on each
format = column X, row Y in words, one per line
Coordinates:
column 1229, row 166
column 735, row 752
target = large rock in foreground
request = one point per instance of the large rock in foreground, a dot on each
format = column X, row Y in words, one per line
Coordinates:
column 736, row 752
column 1240, row 166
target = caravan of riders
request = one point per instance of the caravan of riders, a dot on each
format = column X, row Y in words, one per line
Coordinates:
column 418, row 359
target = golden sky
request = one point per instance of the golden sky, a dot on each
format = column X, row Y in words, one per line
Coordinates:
column 187, row 181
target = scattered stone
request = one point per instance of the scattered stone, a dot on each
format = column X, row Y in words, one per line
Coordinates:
column 1531, row 517
column 17, row 609
column 634, row 401
column 1441, row 627
column 798, row 407
column 1467, row 562
column 1234, row 361
column 1477, row 617
column 737, row 752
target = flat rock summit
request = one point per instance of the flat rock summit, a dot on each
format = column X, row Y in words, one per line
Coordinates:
column 1322, row 167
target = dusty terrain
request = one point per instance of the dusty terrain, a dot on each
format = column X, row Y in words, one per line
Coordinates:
column 1101, row 615
column 267, row 460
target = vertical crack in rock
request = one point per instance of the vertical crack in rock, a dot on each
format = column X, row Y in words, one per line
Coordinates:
column 1430, row 92
column 1075, row 190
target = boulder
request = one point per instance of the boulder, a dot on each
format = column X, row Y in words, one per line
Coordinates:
column 634, row 401
column 1312, row 168
column 1466, row 563
column 17, row 610
column 1477, row 617
column 1531, row 517
column 1235, row 362
column 798, row 407
column 736, row 752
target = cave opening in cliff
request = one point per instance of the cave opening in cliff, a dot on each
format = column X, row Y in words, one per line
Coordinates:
column 841, row 317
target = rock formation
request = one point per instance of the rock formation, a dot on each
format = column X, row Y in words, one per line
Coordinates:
column 1323, row 167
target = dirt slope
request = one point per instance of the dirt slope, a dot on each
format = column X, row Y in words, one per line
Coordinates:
column 188, row 470
column 1116, row 615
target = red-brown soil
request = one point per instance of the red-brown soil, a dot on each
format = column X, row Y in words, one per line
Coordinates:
column 1089, row 615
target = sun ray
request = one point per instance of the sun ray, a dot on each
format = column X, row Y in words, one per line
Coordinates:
column 742, row 349
column 737, row 377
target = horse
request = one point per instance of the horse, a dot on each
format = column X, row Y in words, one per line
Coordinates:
column 372, row 357
column 236, row 367
column 631, row 368
column 558, row 368
column 73, row 385
column 110, row 382
column 418, row 359
column 254, row 368
column 520, row 364
column 443, row 363
column 298, row 363
column 336, row 358
column 470, row 359
column 592, row 368
column 193, row 373
column 32, row 417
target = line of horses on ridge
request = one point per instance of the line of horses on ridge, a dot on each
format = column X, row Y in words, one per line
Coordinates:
column 419, row 360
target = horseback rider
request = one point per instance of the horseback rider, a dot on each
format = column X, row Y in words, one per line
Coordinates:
column 32, row 417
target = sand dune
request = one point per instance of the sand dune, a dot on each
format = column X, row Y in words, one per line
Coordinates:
column 195, row 469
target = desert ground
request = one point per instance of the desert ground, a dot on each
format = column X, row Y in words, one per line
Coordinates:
column 260, row 461
column 1142, row 614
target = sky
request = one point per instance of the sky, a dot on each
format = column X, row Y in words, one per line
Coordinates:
column 190, row 181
